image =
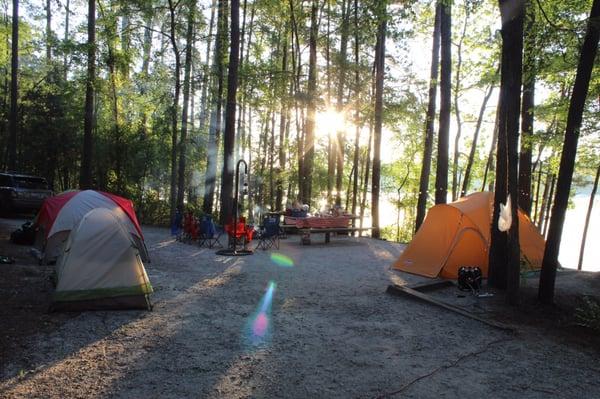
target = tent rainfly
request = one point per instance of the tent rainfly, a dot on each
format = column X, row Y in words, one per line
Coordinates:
column 458, row 234
column 61, row 213
column 100, row 267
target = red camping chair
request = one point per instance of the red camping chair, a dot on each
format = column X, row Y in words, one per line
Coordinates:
column 242, row 231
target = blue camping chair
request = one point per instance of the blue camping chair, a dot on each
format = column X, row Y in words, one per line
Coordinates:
column 209, row 232
column 268, row 236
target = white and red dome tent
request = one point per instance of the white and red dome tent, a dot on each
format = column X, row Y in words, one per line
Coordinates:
column 61, row 213
column 100, row 268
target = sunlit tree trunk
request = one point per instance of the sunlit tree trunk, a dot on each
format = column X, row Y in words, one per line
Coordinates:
column 429, row 121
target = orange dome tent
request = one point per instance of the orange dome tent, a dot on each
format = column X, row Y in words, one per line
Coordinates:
column 458, row 234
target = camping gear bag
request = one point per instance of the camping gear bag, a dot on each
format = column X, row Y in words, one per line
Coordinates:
column 25, row 235
column 469, row 278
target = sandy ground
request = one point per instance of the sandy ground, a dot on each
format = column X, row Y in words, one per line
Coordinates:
column 330, row 331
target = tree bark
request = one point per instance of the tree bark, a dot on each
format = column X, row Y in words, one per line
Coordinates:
column 48, row 31
column 174, row 111
column 529, row 71
column 227, row 200
column 309, row 141
column 205, row 77
column 429, row 121
column 66, row 37
column 356, row 111
column 214, row 132
column 282, row 125
column 587, row 219
column 186, row 99
column 340, row 142
column 379, row 77
column 441, row 175
column 85, row 177
column 489, row 165
column 549, row 205
column 456, row 155
column 504, row 256
column 567, row 160
column 14, row 89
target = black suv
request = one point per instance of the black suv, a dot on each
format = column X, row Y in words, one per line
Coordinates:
column 22, row 192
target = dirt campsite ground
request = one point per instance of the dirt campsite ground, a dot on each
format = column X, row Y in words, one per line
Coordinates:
column 298, row 322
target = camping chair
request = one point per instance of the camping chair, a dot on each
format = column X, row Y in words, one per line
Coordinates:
column 269, row 233
column 209, row 233
column 243, row 232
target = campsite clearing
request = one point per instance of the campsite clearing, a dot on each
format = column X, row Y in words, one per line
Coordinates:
column 298, row 322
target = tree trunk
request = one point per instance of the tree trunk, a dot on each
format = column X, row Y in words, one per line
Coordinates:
column 429, row 121
column 545, row 197
column 465, row 186
column 174, row 112
column 66, row 38
column 365, row 183
column 567, row 160
column 489, row 165
column 441, row 174
column 356, row 111
column 309, row 141
column 587, row 219
column 48, row 31
column 282, row 126
column 513, row 17
column 331, row 140
column 537, row 191
column 529, row 71
column 455, row 182
column 379, row 76
column 504, row 256
column 186, row 99
column 205, row 76
column 549, row 205
column 14, row 90
column 227, row 200
column 340, row 102
column 214, row 132
column 85, row 177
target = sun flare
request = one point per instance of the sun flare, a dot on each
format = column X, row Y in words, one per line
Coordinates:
column 329, row 121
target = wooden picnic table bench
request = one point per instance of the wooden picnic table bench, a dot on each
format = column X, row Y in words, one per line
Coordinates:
column 306, row 232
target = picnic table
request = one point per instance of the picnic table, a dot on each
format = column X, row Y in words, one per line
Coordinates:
column 323, row 225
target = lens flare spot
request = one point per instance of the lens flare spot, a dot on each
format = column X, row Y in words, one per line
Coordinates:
column 259, row 328
column 282, row 260
column 260, row 325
